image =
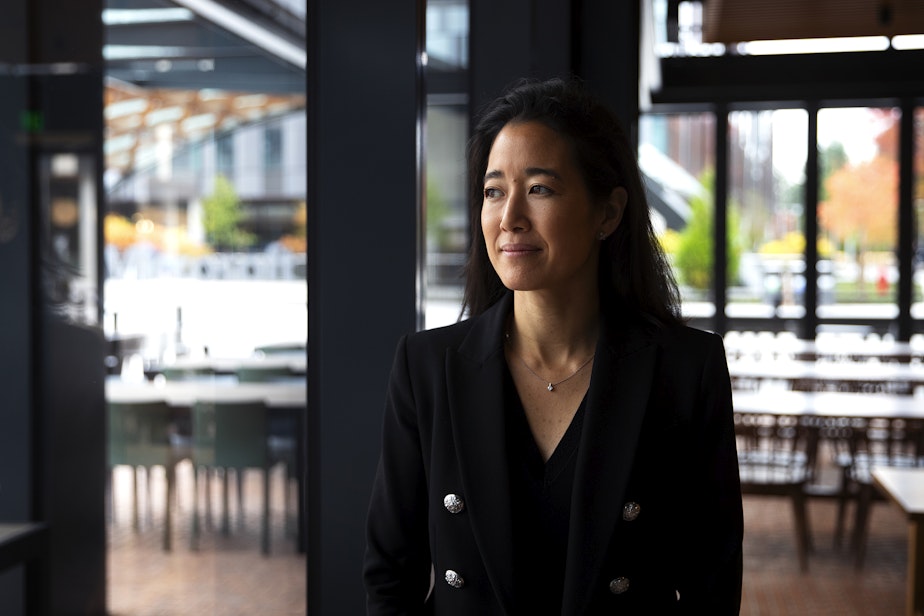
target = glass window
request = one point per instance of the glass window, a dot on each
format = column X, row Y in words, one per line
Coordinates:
column 858, row 212
column 446, row 215
column 766, row 241
column 224, row 154
column 205, row 292
column 677, row 160
column 272, row 148
column 917, row 296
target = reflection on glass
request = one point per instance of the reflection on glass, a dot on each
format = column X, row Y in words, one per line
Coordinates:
column 447, row 211
column 917, row 295
column 858, row 212
column 677, row 160
column 766, row 242
column 206, row 314
column 446, row 215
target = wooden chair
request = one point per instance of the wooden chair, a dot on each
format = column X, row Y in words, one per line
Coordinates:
column 866, row 443
column 145, row 435
column 776, row 457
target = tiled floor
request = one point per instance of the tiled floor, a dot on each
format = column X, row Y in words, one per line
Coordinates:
column 228, row 576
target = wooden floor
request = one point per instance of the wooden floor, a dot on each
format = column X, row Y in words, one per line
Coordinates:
column 228, row 575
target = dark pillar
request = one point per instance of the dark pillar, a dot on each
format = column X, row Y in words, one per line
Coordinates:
column 607, row 55
column 52, row 439
column 513, row 39
column 16, row 282
column 809, row 325
column 363, row 120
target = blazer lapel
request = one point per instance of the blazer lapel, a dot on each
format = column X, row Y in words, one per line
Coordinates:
column 616, row 402
column 475, row 378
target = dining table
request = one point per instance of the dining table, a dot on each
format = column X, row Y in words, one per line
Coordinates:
column 887, row 377
column 289, row 393
column 905, row 488
column 296, row 362
column 829, row 404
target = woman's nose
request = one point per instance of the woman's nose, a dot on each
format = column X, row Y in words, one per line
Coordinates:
column 514, row 217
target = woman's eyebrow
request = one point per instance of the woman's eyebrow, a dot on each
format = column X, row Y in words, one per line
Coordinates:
column 530, row 172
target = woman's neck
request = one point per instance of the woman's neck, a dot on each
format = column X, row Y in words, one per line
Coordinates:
column 554, row 330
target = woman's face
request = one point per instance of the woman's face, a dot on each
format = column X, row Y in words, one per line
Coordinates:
column 541, row 227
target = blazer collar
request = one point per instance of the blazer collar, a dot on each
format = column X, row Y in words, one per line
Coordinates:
column 616, row 402
column 475, row 382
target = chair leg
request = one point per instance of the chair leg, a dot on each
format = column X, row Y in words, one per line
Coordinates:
column 194, row 533
column 239, row 473
column 265, row 531
column 170, row 472
column 225, row 501
column 843, row 498
column 136, row 515
column 803, row 540
column 861, row 522
column 209, row 514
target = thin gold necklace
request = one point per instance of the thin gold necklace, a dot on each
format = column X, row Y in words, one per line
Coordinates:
column 550, row 385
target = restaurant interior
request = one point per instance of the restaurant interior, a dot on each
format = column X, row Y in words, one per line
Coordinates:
column 190, row 187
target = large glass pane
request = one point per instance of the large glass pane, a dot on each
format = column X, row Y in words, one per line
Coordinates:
column 446, row 201
column 917, row 297
column 858, row 213
column 766, row 242
column 205, row 307
column 677, row 159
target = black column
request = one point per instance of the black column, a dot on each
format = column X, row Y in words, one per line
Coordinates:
column 52, row 435
column 363, row 113
column 513, row 39
column 16, row 282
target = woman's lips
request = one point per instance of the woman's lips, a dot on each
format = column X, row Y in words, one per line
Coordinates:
column 514, row 250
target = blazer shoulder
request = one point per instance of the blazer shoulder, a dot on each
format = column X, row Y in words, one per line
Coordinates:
column 439, row 339
column 690, row 337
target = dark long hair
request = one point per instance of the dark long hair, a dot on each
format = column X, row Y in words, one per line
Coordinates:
column 634, row 273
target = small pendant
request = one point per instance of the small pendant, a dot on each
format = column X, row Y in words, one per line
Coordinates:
column 550, row 387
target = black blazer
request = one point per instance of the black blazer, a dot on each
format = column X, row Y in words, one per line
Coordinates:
column 656, row 520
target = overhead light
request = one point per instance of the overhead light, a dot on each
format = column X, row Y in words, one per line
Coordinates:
column 247, row 30
column 908, row 41
column 821, row 45
column 127, row 17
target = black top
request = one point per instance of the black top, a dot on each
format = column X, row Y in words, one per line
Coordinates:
column 541, row 497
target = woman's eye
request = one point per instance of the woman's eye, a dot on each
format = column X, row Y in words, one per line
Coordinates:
column 491, row 193
column 539, row 189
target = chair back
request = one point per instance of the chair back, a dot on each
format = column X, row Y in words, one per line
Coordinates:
column 774, row 450
column 140, row 434
column 264, row 374
column 230, row 434
column 179, row 373
column 884, row 442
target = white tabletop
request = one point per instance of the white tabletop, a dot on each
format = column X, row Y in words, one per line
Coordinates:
column 296, row 362
column 905, row 486
column 823, row 371
column 829, row 404
column 184, row 393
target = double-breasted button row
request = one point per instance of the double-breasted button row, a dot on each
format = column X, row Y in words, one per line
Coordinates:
column 630, row 511
column 619, row 585
column 454, row 579
column 453, row 503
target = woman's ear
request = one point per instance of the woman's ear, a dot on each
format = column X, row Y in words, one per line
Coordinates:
column 614, row 208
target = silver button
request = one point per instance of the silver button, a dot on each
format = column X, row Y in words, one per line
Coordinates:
column 630, row 511
column 453, row 503
column 619, row 585
column 454, row 579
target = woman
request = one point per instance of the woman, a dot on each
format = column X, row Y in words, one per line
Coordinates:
column 569, row 448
